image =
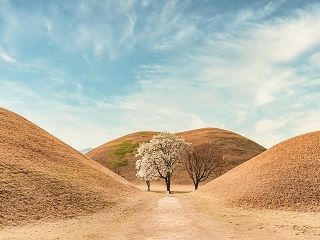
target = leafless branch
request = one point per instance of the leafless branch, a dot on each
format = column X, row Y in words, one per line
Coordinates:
column 201, row 162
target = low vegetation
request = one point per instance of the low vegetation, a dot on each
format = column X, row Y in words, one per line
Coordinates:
column 120, row 153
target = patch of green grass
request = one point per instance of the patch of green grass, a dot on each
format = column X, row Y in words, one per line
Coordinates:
column 120, row 153
column 117, row 164
column 125, row 148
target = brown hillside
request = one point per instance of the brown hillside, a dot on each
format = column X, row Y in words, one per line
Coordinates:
column 235, row 148
column 41, row 177
column 287, row 176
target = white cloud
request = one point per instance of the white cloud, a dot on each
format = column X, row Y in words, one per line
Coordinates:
column 307, row 121
column 173, row 40
column 241, row 75
column 69, row 123
column 272, row 131
column 7, row 87
column 283, row 40
column 256, row 14
column 315, row 60
column 48, row 25
column 253, row 69
column 270, row 125
column 7, row 58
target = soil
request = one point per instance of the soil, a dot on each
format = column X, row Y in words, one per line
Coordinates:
column 156, row 215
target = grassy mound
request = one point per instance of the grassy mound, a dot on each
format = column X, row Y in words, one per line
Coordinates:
column 42, row 177
column 235, row 149
column 287, row 176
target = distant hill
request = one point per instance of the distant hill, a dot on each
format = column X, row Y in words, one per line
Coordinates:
column 86, row 150
column 42, row 177
column 287, row 176
column 118, row 154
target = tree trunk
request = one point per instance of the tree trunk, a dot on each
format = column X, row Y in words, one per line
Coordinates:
column 148, row 184
column 167, row 179
column 196, row 184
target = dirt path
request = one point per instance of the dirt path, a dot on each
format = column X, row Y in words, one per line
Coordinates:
column 174, row 217
column 152, row 216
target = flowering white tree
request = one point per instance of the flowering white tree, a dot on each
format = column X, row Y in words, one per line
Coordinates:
column 146, row 172
column 161, row 156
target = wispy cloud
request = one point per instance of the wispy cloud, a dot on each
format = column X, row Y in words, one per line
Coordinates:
column 7, row 58
column 113, row 67
column 252, row 66
column 246, row 14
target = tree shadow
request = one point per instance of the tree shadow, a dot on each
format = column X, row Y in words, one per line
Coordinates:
column 172, row 192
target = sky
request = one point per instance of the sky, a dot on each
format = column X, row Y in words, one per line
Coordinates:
column 91, row 71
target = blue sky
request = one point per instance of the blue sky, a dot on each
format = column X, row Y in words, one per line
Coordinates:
column 91, row 71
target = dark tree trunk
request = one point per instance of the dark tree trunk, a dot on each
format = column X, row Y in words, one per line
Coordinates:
column 148, row 184
column 196, row 184
column 167, row 179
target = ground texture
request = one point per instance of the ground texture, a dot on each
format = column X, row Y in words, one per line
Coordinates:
column 155, row 216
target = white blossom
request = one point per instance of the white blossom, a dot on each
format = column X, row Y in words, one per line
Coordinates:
column 160, row 157
column 145, row 171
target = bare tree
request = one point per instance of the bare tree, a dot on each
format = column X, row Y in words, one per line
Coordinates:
column 201, row 162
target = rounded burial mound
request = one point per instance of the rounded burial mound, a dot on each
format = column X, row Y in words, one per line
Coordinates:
column 119, row 154
column 41, row 177
column 287, row 176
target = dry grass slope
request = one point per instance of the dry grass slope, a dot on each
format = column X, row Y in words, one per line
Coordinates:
column 287, row 177
column 235, row 148
column 41, row 177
